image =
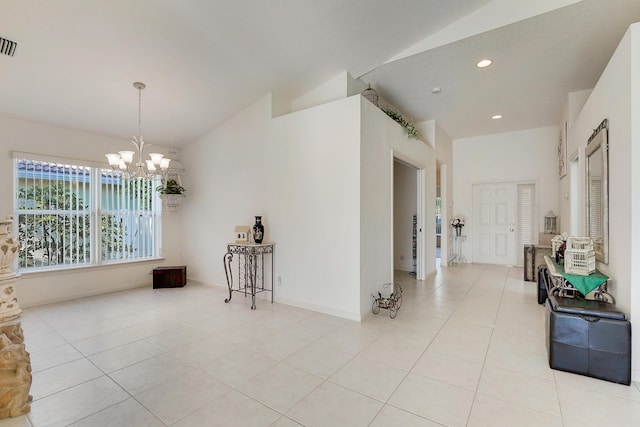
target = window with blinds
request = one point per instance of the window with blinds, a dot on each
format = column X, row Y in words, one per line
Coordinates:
column 527, row 219
column 74, row 215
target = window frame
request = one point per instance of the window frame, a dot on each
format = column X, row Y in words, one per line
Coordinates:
column 152, row 219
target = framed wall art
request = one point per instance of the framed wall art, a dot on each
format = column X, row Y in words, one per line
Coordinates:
column 562, row 151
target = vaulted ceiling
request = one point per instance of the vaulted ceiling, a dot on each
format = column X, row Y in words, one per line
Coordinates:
column 205, row 60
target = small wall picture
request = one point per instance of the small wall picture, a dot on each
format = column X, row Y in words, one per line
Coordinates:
column 242, row 233
column 562, row 151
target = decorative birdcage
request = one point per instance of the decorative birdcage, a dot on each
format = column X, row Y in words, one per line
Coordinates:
column 550, row 223
column 371, row 94
column 580, row 243
column 579, row 256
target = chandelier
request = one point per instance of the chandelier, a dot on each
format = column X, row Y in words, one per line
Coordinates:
column 156, row 165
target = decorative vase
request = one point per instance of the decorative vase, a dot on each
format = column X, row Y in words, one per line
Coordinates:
column 458, row 231
column 258, row 230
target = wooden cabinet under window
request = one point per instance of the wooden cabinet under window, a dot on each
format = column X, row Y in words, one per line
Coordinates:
column 169, row 277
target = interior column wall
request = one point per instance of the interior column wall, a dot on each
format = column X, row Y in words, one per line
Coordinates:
column 314, row 187
column 382, row 141
column 301, row 172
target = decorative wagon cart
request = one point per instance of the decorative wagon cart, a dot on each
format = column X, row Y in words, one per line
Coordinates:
column 391, row 303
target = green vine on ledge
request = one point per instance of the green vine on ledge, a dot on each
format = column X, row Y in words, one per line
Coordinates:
column 410, row 129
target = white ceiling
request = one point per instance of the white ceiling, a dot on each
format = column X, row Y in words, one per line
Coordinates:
column 204, row 60
column 537, row 62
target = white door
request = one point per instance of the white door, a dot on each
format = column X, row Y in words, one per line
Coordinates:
column 494, row 223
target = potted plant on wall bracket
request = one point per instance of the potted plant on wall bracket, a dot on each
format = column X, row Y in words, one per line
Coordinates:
column 172, row 193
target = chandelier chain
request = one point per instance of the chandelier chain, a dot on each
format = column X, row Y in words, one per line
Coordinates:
column 139, row 111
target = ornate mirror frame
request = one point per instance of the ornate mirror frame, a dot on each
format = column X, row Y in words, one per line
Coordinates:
column 597, row 186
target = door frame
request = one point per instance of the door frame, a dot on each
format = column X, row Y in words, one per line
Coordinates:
column 444, row 211
column 420, row 213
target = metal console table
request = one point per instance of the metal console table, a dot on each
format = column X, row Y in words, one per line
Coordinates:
column 572, row 285
column 250, row 269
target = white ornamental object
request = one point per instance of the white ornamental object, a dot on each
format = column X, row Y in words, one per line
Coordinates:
column 172, row 201
column 9, row 246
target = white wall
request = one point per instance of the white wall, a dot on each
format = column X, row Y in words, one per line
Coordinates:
column 40, row 288
column 226, row 186
column 567, row 213
column 611, row 99
column 341, row 86
column 634, row 217
column 332, row 90
column 575, row 104
column 404, row 207
column 616, row 97
column 314, row 193
column 507, row 157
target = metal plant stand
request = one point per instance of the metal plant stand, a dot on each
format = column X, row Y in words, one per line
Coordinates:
column 250, row 269
column 455, row 255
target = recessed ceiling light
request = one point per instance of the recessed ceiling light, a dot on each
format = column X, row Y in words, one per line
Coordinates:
column 484, row 63
column 436, row 90
column 496, row 117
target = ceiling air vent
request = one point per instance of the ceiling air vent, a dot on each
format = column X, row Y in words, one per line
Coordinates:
column 7, row 47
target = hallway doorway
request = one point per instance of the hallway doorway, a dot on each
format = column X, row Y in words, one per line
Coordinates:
column 405, row 217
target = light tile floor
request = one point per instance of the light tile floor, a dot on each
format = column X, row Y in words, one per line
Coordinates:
column 466, row 349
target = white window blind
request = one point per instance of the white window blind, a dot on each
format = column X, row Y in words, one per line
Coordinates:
column 71, row 215
column 527, row 218
column 128, row 218
column 53, row 213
